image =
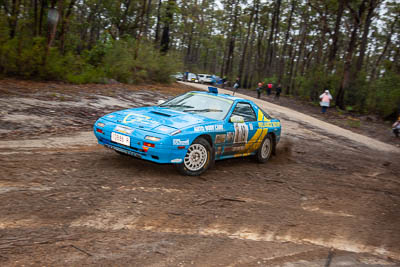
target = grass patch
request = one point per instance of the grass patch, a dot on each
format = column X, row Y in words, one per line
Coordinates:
column 353, row 123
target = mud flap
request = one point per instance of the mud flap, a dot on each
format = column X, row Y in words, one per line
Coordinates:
column 273, row 145
column 212, row 163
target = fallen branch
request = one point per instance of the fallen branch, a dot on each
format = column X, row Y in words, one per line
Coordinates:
column 232, row 199
column 207, row 201
column 81, row 250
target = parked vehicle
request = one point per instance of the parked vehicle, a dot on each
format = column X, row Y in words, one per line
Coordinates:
column 205, row 78
column 191, row 77
column 178, row 76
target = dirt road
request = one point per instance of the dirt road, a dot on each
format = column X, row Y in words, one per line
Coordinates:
column 329, row 198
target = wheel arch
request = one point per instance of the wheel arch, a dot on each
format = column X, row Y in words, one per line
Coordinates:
column 206, row 137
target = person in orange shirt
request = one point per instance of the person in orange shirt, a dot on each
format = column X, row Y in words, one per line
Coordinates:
column 326, row 98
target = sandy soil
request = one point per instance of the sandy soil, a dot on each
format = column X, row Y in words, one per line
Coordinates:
column 329, row 197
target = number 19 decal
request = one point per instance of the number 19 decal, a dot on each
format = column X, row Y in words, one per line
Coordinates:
column 241, row 133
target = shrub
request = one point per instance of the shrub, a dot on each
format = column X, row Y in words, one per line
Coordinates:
column 125, row 60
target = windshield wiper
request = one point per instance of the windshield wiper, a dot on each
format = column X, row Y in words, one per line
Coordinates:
column 203, row 110
column 176, row 106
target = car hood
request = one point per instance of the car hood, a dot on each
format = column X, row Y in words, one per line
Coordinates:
column 149, row 118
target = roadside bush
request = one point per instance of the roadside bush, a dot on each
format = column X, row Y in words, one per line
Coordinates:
column 314, row 83
column 384, row 95
column 123, row 60
column 129, row 62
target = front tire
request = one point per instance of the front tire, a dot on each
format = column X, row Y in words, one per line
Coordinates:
column 265, row 150
column 197, row 159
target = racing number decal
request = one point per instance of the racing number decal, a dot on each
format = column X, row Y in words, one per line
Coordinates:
column 241, row 133
column 137, row 118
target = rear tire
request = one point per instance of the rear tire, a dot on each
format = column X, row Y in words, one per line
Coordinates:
column 265, row 150
column 197, row 159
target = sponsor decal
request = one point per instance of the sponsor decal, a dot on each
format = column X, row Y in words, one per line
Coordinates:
column 110, row 116
column 238, row 148
column 229, row 137
column 220, row 138
column 176, row 160
column 251, row 126
column 209, row 128
column 133, row 117
column 228, row 149
column 199, row 129
column 179, row 142
column 219, row 127
column 241, row 133
column 123, row 129
column 219, row 151
column 269, row 124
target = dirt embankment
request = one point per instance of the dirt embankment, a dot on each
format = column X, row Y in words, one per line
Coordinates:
column 326, row 199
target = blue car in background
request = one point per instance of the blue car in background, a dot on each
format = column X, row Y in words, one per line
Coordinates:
column 191, row 131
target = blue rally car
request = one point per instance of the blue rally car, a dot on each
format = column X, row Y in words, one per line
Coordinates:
column 191, row 131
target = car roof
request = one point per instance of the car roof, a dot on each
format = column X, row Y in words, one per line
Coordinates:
column 225, row 96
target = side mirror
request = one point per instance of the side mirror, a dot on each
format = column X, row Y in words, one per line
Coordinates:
column 159, row 102
column 236, row 119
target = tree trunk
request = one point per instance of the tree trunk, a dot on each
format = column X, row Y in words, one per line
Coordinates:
column 364, row 40
column 243, row 57
column 43, row 6
column 334, row 48
column 232, row 39
column 165, row 38
column 349, row 56
column 146, row 28
column 250, row 67
column 13, row 19
column 157, row 33
column 35, row 18
column 387, row 43
column 271, row 39
column 285, row 44
column 64, row 25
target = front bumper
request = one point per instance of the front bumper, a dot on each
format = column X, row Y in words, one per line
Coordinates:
column 161, row 153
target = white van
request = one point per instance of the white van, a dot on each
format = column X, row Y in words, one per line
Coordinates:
column 205, row 78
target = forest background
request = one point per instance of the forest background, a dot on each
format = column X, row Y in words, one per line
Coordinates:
column 351, row 47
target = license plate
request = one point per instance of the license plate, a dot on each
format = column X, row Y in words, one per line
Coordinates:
column 120, row 139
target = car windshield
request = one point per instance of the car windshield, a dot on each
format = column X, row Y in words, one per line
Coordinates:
column 209, row 106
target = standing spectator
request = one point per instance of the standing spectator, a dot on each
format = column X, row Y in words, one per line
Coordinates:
column 259, row 89
column 269, row 89
column 278, row 91
column 396, row 127
column 236, row 85
column 326, row 98
column 223, row 82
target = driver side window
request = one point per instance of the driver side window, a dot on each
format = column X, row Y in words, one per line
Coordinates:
column 246, row 111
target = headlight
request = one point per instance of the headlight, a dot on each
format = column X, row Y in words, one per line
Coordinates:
column 152, row 138
column 100, row 124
